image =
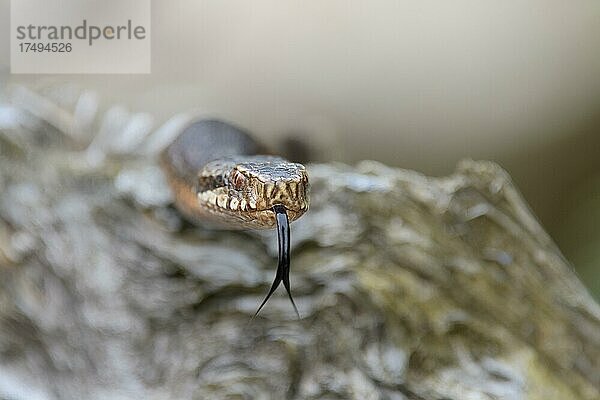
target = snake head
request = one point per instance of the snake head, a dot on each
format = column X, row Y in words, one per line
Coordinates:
column 246, row 189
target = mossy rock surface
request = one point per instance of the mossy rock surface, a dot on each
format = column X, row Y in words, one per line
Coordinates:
column 409, row 287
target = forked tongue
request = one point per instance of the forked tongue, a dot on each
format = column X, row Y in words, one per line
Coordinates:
column 283, row 265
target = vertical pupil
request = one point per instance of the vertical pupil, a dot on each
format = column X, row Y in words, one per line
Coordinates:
column 238, row 180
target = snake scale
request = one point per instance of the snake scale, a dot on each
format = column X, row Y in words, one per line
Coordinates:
column 219, row 178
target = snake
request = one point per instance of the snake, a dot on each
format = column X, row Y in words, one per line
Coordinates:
column 221, row 177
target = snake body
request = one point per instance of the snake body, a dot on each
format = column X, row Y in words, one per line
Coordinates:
column 219, row 178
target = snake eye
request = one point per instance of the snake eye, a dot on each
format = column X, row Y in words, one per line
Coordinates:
column 238, row 180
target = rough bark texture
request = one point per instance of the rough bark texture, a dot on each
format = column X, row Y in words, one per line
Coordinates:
column 409, row 287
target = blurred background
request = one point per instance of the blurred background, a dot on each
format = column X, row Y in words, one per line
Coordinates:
column 414, row 84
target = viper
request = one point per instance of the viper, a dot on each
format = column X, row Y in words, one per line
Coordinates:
column 221, row 178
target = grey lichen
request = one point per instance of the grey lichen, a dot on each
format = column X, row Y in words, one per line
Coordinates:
column 409, row 287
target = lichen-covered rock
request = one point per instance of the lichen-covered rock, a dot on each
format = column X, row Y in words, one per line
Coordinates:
column 409, row 287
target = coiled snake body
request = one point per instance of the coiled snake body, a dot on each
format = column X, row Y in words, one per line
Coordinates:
column 219, row 179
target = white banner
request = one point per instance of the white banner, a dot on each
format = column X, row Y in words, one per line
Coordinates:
column 80, row 36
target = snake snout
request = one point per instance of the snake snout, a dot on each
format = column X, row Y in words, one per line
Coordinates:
column 290, row 194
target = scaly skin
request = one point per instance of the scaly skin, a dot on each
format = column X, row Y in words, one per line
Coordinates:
column 218, row 179
column 231, row 191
